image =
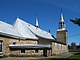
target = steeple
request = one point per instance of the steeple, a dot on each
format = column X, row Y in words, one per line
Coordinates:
column 61, row 16
column 62, row 19
column 37, row 25
column 62, row 33
column 62, row 23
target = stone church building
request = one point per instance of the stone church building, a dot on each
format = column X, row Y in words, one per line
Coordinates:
column 24, row 39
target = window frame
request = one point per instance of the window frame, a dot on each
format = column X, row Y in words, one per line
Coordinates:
column 1, row 43
column 22, row 50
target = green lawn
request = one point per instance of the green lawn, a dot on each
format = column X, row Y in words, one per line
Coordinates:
column 74, row 57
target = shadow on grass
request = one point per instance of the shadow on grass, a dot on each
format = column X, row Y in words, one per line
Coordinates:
column 73, row 57
column 77, row 53
column 58, row 59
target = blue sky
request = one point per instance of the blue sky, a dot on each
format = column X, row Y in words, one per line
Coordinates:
column 47, row 11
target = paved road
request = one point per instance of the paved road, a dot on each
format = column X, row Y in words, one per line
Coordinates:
column 34, row 58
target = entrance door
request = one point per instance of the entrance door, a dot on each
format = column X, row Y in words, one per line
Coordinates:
column 45, row 52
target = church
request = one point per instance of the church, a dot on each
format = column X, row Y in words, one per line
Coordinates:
column 24, row 39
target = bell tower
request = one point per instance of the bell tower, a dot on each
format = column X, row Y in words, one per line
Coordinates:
column 62, row 23
column 62, row 32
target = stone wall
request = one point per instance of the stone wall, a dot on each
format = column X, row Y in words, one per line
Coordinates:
column 27, row 53
column 44, row 41
column 22, row 41
column 6, row 50
column 7, row 41
column 13, row 52
column 62, row 36
column 58, row 48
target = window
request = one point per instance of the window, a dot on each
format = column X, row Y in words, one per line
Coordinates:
column 36, row 51
column 23, row 51
column 14, row 43
column 1, row 46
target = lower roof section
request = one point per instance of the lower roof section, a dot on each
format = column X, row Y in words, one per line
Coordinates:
column 29, row 46
column 10, row 36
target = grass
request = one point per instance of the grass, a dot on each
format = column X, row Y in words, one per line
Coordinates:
column 73, row 57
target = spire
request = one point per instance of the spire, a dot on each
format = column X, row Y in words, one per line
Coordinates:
column 37, row 25
column 62, row 22
column 62, row 19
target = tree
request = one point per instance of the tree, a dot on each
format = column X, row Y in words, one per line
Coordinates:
column 76, row 21
column 73, row 46
column 68, row 46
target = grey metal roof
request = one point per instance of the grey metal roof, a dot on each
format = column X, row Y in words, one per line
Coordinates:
column 29, row 46
column 23, row 30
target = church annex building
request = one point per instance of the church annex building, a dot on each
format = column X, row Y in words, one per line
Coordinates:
column 24, row 39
